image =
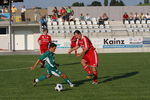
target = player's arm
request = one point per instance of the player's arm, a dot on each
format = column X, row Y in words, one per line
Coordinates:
column 39, row 40
column 83, row 52
column 72, row 49
column 34, row 66
column 38, row 61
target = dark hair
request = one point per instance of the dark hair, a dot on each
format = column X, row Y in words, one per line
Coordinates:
column 51, row 45
column 77, row 31
column 45, row 29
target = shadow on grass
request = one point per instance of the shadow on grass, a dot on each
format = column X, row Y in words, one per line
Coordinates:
column 108, row 78
column 70, row 64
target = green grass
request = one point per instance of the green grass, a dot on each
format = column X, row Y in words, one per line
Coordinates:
column 122, row 77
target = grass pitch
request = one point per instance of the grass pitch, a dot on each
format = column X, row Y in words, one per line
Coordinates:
column 122, row 77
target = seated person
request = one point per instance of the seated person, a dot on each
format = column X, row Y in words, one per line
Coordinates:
column 125, row 17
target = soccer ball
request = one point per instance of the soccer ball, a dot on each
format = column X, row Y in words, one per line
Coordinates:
column 59, row 87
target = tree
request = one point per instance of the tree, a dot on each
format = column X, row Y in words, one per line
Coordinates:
column 78, row 4
column 95, row 3
column 122, row 3
column 105, row 2
column 112, row 2
column 117, row 3
column 146, row 1
column 140, row 3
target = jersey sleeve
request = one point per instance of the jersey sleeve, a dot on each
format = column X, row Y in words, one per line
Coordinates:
column 44, row 56
column 39, row 38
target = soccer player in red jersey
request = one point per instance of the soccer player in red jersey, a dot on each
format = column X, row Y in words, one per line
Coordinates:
column 73, row 43
column 43, row 41
column 89, row 55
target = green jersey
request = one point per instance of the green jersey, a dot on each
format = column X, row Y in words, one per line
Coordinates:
column 49, row 60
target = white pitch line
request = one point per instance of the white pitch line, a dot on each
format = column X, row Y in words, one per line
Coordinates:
column 5, row 70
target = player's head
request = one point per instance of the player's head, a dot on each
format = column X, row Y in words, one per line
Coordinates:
column 45, row 31
column 78, row 34
column 52, row 47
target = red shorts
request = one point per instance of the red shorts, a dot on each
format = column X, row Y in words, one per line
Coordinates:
column 43, row 49
column 91, row 57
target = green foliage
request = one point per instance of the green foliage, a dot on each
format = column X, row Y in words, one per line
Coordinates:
column 122, row 77
column 146, row 1
column 105, row 2
column 78, row 4
column 95, row 3
column 117, row 3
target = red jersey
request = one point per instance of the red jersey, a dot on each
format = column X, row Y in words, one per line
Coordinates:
column 91, row 56
column 45, row 39
column 73, row 41
column 62, row 11
column 84, row 42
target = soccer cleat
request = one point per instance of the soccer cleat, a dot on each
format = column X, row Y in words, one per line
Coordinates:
column 89, row 76
column 72, row 85
column 34, row 83
column 95, row 82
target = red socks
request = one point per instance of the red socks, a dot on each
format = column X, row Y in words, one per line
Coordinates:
column 95, row 73
column 87, row 69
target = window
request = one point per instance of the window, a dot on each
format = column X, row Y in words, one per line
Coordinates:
column 3, row 31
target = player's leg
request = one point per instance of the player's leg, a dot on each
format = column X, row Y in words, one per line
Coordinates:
column 67, row 80
column 95, row 73
column 93, row 62
column 41, row 78
column 62, row 75
column 86, row 68
column 42, row 51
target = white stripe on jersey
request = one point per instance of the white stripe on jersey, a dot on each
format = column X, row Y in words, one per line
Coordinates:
column 85, row 42
column 47, row 59
column 96, row 58
column 55, row 74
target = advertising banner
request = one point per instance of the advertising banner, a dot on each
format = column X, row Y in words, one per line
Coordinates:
column 146, row 41
column 129, row 42
column 62, row 43
column 4, row 16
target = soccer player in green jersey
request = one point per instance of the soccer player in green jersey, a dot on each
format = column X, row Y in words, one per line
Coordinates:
column 50, row 66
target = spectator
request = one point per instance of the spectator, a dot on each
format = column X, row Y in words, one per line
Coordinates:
column 82, row 18
column 101, row 21
column 142, row 16
column 69, row 13
column 131, row 17
column 71, row 18
column 43, row 22
column 125, row 17
column 63, row 13
column 87, row 17
column 13, row 10
column 105, row 17
column 55, row 11
column 136, row 17
column 147, row 16
column 23, row 10
column 54, row 17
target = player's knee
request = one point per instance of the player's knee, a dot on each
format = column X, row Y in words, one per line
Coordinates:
column 63, row 76
column 48, row 76
column 83, row 62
